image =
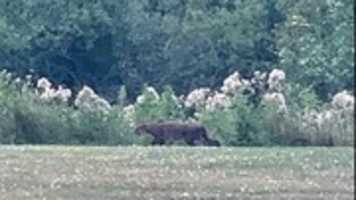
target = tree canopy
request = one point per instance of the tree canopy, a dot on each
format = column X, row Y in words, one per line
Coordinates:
column 182, row 43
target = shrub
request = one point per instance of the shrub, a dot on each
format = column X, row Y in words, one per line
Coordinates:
column 150, row 106
column 311, row 122
column 292, row 116
column 96, row 128
column 10, row 92
column 239, row 124
column 27, row 118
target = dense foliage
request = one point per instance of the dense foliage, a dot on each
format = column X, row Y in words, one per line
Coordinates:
column 256, row 72
column 182, row 43
column 49, row 114
column 316, row 44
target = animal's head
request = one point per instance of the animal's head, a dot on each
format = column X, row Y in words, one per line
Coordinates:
column 141, row 129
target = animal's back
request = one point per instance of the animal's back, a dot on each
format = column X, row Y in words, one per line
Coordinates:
column 174, row 131
column 179, row 127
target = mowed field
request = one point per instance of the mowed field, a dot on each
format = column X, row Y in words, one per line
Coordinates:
column 60, row 172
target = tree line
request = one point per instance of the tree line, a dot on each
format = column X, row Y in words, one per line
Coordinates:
column 186, row 44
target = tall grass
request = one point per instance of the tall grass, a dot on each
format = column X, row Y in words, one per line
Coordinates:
column 26, row 118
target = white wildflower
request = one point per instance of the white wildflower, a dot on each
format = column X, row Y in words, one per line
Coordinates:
column 130, row 109
column 343, row 100
column 232, row 84
column 275, row 78
column 8, row 76
column 3, row 72
column 217, row 101
column 63, row 94
column 140, row 99
column 101, row 104
column 197, row 98
column 129, row 114
column 84, row 95
column 17, row 80
column 152, row 91
column 149, row 94
column 181, row 98
column 328, row 115
column 319, row 119
column 44, row 84
column 28, row 77
column 87, row 99
column 276, row 99
column 47, row 93
column 312, row 119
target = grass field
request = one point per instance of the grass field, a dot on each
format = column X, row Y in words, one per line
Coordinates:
column 57, row 172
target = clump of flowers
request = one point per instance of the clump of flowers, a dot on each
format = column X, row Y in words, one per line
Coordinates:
column 43, row 84
column 276, row 98
column 275, row 79
column 63, row 94
column 333, row 125
column 343, row 100
column 217, row 101
column 312, row 118
column 197, row 98
column 328, row 127
column 149, row 94
column 232, row 84
column 87, row 99
column 129, row 114
column 48, row 93
column 204, row 98
column 5, row 75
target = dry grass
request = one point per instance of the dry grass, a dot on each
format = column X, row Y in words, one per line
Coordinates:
column 54, row 172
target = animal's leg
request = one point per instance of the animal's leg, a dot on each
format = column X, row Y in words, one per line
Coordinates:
column 188, row 139
column 207, row 141
column 204, row 137
column 157, row 141
column 190, row 142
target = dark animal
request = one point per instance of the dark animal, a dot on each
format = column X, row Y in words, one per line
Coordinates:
column 300, row 142
column 166, row 132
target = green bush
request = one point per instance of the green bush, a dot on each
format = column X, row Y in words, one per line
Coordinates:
column 27, row 119
column 309, row 121
column 93, row 128
column 240, row 124
column 7, row 125
column 151, row 106
column 9, row 95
